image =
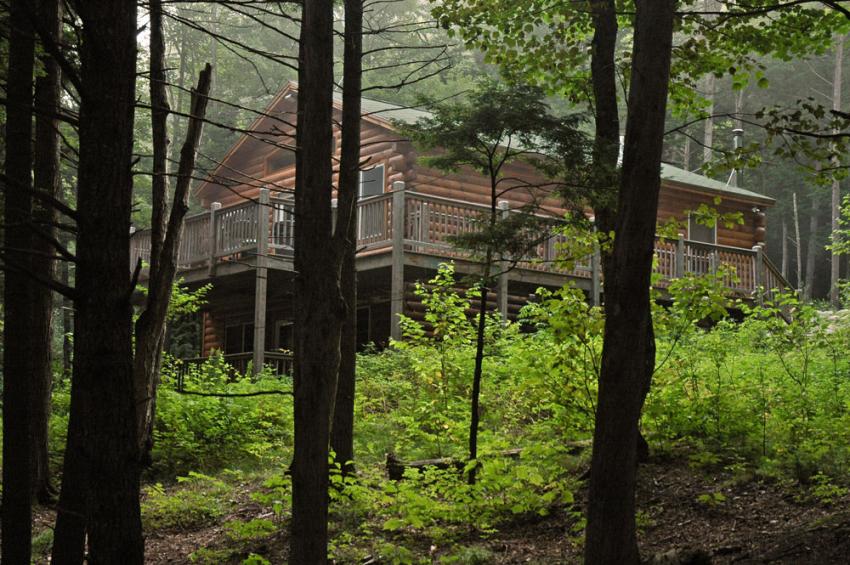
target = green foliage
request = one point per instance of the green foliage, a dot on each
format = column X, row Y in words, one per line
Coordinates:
column 209, row 433
column 198, row 500
column 711, row 499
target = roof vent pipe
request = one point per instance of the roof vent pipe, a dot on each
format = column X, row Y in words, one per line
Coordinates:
column 737, row 138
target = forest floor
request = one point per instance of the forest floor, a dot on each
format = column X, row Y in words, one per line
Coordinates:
column 685, row 516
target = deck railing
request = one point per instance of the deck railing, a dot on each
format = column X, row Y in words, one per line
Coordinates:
column 429, row 222
column 238, row 364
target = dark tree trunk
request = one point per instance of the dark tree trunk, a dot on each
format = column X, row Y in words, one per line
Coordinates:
column 45, row 179
column 812, row 247
column 65, row 240
column 319, row 309
column 17, row 298
column 150, row 327
column 102, row 445
column 610, row 534
column 477, row 372
column 606, row 143
column 342, row 432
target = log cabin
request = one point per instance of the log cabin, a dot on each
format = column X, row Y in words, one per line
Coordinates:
column 242, row 243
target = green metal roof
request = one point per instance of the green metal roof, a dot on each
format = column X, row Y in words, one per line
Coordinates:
column 675, row 174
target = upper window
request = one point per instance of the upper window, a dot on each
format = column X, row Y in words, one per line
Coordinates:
column 280, row 160
column 372, row 181
column 701, row 232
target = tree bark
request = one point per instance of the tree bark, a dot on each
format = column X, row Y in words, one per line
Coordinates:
column 102, row 454
column 150, row 327
column 606, row 143
column 835, row 258
column 342, row 432
column 167, row 230
column 799, row 248
column 16, row 514
column 812, row 247
column 45, row 179
column 784, row 262
column 610, row 534
column 319, row 310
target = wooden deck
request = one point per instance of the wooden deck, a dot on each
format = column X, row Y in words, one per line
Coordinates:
column 226, row 239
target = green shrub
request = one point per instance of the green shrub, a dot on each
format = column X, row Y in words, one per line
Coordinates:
column 197, row 500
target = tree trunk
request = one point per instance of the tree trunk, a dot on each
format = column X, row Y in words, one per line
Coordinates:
column 799, row 247
column 478, row 370
column 342, row 433
column 319, row 310
column 812, row 247
column 606, row 143
column 784, row 249
column 45, row 179
column 610, row 534
column 67, row 306
column 835, row 259
column 17, row 298
column 150, row 327
column 102, row 452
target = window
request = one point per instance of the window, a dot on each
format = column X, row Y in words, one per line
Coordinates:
column 284, row 335
column 238, row 338
column 280, row 160
column 372, row 182
column 362, row 327
column 701, row 232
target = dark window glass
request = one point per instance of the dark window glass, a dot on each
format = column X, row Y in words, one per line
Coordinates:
column 372, row 181
column 363, row 336
column 701, row 232
column 285, row 337
column 233, row 339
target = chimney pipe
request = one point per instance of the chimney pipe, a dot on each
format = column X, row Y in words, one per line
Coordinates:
column 737, row 137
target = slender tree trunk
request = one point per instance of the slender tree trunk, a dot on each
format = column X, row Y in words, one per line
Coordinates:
column 784, row 249
column 67, row 307
column 709, row 84
column 45, row 179
column 799, row 247
column 835, row 259
column 16, row 514
column 102, row 385
column 610, row 534
column 606, row 143
column 150, row 327
column 812, row 247
column 342, row 433
column 319, row 310
column 477, row 373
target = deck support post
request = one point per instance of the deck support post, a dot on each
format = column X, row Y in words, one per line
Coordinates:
column 261, row 280
column 502, row 265
column 596, row 275
column 214, row 208
column 397, row 268
column 758, row 273
column 680, row 256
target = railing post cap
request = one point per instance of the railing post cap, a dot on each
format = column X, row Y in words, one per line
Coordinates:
column 215, row 206
column 132, row 230
column 504, row 204
column 398, row 186
column 264, row 193
column 334, row 202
